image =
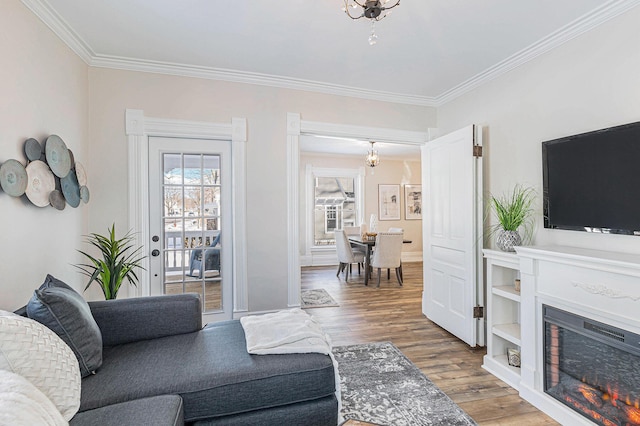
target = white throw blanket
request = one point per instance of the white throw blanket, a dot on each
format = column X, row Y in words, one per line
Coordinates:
column 289, row 332
column 23, row 404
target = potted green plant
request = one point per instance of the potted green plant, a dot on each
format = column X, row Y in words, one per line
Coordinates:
column 119, row 261
column 514, row 212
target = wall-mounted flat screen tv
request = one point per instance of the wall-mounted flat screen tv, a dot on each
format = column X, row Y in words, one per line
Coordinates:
column 591, row 181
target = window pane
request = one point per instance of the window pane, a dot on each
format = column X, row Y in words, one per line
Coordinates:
column 193, row 169
column 193, row 201
column 172, row 167
column 335, row 207
column 211, row 170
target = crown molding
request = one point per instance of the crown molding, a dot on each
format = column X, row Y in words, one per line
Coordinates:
column 130, row 64
column 607, row 11
column 59, row 26
column 570, row 31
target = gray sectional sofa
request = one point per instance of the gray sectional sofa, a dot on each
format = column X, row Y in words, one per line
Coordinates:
column 156, row 365
column 155, row 346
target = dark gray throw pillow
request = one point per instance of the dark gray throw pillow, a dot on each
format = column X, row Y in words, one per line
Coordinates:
column 64, row 311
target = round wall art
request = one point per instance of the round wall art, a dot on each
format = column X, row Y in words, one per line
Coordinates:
column 51, row 177
column 13, row 178
column 41, row 183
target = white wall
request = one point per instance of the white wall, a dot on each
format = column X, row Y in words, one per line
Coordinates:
column 390, row 171
column 589, row 83
column 112, row 91
column 43, row 91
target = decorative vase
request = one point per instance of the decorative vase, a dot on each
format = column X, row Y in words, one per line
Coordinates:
column 507, row 239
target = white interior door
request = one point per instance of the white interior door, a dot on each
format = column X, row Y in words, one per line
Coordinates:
column 452, row 234
column 190, row 221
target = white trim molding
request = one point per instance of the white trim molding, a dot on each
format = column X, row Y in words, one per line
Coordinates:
column 297, row 127
column 610, row 9
column 138, row 129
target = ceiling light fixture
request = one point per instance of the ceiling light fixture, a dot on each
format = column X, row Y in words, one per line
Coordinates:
column 374, row 10
column 372, row 159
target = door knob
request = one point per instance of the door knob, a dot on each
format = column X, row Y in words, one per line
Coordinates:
column 155, row 252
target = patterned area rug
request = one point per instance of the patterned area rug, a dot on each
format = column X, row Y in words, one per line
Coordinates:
column 380, row 385
column 317, row 298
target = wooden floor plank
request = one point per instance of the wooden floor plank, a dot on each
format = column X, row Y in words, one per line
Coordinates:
column 392, row 313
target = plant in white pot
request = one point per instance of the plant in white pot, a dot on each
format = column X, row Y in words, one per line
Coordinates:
column 514, row 212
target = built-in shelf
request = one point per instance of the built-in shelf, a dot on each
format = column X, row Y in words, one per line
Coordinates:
column 510, row 332
column 508, row 291
column 503, row 315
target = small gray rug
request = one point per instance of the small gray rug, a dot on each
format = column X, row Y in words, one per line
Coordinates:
column 317, row 298
column 380, row 385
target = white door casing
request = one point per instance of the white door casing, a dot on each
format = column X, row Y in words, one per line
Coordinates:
column 138, row 129
column 452, row 232
column 297, row 127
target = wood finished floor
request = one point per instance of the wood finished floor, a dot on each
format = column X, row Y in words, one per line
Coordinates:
column 393, row 313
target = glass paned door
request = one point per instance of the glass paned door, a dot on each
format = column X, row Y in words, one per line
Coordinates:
column 190, row 212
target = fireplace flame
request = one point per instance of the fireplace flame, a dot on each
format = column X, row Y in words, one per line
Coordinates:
column 593, row 403
column 591, row 395
column 589, row 412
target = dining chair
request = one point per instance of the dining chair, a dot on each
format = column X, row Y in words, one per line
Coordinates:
column 401, row 231
column 346, row 255
column 387, row 254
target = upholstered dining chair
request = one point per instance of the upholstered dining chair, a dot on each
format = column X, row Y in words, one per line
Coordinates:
column 346, row 256
column 387, row 253
column 211, row 258
column 401, row 231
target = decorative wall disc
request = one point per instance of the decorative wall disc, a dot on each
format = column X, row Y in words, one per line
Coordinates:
column 32, row 149
column 71, row 189
column 40, row 183
column 84, row 194
column 57, row 200
column 72, row 159
column 58, row 156
column 81, row 174
column 13, row 178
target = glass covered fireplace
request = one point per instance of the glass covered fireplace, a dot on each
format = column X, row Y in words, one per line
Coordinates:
column 592, row 367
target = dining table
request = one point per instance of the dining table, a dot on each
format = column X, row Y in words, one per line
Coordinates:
column 367, row 244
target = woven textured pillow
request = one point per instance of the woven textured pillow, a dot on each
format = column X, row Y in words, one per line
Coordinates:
column 31, row 350
column 64, row 311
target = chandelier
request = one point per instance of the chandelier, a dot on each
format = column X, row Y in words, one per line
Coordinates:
column 372, row 159
column 374, row 10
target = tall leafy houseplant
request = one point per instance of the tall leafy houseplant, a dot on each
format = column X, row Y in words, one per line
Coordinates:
column 119, row 261
column 514, row 212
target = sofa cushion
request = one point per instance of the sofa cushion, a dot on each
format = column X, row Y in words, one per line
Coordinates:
column 23, row 404
column 211, row 370
column 319, row 412
column 164, row 410
column 36, row 353
column 64, row 311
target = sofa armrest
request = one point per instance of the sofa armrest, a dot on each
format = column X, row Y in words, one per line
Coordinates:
column 144, row 318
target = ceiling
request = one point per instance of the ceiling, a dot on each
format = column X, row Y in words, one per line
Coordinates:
column 428, row 51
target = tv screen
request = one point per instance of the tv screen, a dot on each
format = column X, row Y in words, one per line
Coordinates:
column 591, row 181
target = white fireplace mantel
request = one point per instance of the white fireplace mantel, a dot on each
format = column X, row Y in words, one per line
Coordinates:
column 603, row 286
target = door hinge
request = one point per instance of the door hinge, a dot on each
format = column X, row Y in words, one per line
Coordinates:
column 478, row 312
column 477, row 150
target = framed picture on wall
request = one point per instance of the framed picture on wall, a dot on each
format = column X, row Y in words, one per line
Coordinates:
column 389, row 202
column 413, row 202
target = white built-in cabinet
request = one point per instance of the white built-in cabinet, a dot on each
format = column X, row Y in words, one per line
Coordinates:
column 503, row 315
